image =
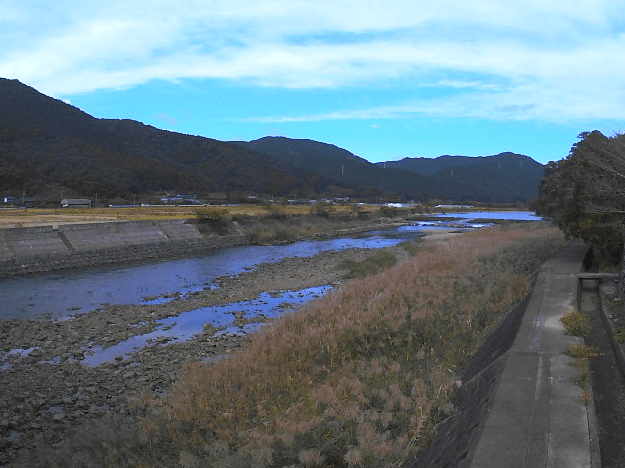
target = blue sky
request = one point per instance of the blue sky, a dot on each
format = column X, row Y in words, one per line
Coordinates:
column 384, row 79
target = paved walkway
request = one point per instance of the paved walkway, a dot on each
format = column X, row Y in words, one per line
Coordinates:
column 537, row 418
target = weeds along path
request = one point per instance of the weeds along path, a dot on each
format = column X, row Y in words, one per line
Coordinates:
column 607, row 382
column 360, row 377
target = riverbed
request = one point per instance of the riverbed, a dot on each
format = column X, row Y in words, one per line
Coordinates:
column 63, row 294
column 77, row 362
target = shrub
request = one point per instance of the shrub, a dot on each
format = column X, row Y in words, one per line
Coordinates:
column 276, row 212
column 356, row 210
column 379, row 260
column 322, row 209
column 211, row 215
column 389, row 211
column 576, row 323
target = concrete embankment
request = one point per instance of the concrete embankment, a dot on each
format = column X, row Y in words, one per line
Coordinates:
column 45, row 248
column 519, row 405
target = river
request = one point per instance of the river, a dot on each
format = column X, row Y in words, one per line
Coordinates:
column 59, row 295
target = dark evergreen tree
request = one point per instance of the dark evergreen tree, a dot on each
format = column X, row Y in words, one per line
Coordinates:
column 584, row 194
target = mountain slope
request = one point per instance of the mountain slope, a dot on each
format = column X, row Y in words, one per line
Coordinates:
column 48, row 147
column 337, row 163
column 506, row 176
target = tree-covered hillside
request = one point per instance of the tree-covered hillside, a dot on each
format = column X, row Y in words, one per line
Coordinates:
column 49, row 148
column 503, row 177
column 339, row 164
column 584, row 194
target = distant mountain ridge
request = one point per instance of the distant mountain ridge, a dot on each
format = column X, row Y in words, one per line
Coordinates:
column 503, row 178
column 512, row 176
column 51, row 149
column 339, row 164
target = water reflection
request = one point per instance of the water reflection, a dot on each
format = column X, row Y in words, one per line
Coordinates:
column 188, row 324
column 59, row 295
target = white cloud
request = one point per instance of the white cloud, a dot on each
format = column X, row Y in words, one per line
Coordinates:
column 523, row 58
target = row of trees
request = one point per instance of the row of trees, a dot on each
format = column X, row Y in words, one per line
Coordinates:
column 584, row 194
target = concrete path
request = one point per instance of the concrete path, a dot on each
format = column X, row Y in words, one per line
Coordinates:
column 538, row 418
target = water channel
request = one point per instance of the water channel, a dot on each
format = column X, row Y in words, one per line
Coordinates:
column 62, row 294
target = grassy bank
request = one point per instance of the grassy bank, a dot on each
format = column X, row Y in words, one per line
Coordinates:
column 46, row 216
column 10, row 218
column 359, row 378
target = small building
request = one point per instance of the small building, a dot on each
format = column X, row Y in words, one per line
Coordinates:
column 76, row 203
column 181, row 200
column 22, row 201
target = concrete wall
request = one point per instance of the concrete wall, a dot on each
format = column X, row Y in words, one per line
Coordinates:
column 35, row 249
column 32, row 241
column 36, row 241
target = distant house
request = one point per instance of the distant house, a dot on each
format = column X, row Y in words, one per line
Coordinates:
column 11, row 199
column 75, row 203
column 181, row 200
column 23, row 201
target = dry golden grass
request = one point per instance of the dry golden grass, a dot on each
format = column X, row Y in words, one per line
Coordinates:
column 361, row 376
column 582, row 354
column 48, row 216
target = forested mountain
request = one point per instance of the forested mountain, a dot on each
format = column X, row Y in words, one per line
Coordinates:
column 50, row 149
column 339, row 164
column 506, row 177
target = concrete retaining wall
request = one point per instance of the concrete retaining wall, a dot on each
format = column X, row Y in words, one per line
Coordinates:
column 44, row 248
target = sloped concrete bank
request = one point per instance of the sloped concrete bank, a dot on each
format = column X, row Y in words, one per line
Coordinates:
column 466, row 429
column 46, row 248
column 66, row 246
column 458, row 434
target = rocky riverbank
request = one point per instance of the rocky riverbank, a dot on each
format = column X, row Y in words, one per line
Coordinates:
column 47, row 392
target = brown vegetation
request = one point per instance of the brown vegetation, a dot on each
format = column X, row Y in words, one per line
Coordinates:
column 46, row 216
column 576, row 323
column 360, row 377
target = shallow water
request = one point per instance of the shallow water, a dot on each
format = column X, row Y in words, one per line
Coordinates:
column 188, row 324
column 61, row 294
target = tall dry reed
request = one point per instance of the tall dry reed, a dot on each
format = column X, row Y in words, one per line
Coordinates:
column 360, row 377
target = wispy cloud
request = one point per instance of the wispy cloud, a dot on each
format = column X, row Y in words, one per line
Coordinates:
column 519, row 59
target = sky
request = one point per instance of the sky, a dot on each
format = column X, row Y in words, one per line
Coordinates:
column 384, row 79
